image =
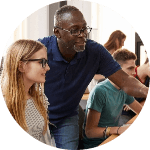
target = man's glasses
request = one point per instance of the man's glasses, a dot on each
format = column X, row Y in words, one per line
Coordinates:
column 42, row 61
column 86, row 30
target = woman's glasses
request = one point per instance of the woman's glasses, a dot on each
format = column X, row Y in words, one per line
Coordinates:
column 43, row 61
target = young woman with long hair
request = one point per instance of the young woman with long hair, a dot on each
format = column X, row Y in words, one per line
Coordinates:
column 25, row 65
column 115, row 41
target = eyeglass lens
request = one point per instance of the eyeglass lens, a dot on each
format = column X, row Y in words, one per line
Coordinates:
column 44, row 62
column 78, row 32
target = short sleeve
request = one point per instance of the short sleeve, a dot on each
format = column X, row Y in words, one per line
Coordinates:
column 108, row 65
column 96, row 99
column 129, row 100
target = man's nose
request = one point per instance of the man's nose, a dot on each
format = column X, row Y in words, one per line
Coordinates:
column 82, row 33
column 133, row 73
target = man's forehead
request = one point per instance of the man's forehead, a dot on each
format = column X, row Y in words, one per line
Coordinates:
column 72, row 17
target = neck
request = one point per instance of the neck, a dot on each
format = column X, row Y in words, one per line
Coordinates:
column 141, row 73
column 111, row 51
column 68, row 53
column 27, row 87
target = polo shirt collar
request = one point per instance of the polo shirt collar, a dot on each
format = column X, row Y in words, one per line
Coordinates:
column 57, row 55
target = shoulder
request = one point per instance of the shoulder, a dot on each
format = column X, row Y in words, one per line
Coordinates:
column 93, row 46
column 96, row 50
column 97, row 98
column 99, row 90
column 47, row 39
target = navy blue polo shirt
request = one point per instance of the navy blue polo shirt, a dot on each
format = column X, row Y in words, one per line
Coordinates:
column 67, row 81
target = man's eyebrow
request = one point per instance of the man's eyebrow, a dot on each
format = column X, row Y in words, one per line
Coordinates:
column 131, row 67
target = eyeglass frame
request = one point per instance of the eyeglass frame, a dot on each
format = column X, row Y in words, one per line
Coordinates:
column 71, row 30
column 44, row 61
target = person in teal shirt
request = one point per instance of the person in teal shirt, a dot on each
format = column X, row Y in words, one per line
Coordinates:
column 105, row 105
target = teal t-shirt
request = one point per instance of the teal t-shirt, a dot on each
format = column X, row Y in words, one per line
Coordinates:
column 109, row 101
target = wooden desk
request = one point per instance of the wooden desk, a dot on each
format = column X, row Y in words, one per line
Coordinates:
column 115, row 135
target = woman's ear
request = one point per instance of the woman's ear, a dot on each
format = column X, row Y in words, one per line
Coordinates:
column 21, row 66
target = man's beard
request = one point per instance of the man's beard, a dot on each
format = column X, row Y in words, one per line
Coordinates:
column 77, row 49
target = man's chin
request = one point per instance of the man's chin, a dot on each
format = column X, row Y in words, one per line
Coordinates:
column 79, row 49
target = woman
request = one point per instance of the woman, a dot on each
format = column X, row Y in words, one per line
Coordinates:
column 115, row 41
column 24, row 69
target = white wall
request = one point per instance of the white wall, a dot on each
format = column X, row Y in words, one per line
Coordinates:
column 33, row 27
column 104, row 21
column 84, row 7
column 38, row 24
column 110, row 21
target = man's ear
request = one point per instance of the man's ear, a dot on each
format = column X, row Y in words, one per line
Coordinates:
column 21, row 66
column 57, row 33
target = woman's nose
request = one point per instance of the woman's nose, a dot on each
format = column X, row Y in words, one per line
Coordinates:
column 47, row 68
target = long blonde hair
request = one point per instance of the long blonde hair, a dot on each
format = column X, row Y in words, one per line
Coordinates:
column 13, row 86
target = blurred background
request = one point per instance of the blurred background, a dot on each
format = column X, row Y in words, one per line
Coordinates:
column 102, row 19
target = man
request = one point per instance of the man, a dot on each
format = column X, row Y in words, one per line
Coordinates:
column 142, row 73
column 73, row 61
column 105, row 103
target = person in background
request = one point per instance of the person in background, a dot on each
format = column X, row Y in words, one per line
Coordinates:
column 142, row 73
column 105, row 104
column 115, row 41
column 25, row 66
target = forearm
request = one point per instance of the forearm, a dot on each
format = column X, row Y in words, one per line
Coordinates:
column 129, row 84
column 95, row 132
column 98, row 132
column 135, row 88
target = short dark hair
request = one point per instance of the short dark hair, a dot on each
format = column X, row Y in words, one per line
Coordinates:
column 59, row 13
column 123, row 55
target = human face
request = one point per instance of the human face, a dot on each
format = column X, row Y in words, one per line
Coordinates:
column 118, row 44
column 73, row 21
column 148, row 69
column 129, row 67
column 33, row 70
column 122, row 42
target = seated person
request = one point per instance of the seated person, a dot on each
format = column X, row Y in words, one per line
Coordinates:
column 105, row 105
column 142, row 73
